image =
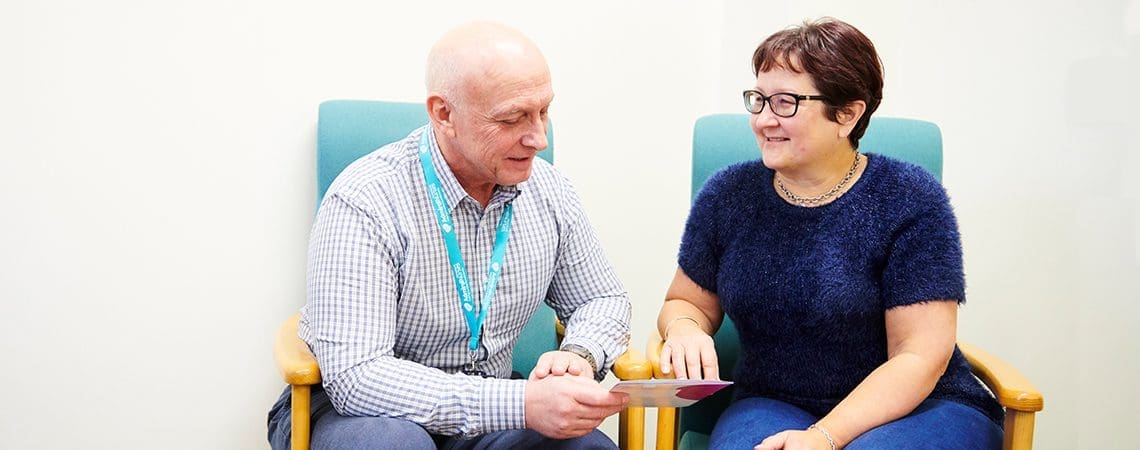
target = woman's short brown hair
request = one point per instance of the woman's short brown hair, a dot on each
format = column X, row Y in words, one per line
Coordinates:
column 840, row 60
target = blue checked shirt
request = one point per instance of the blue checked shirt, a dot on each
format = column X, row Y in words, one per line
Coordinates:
column 383, row 317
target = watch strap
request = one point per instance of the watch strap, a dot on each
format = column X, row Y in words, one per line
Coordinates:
column 583, row 352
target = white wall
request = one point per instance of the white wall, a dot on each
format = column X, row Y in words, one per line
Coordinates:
column 158, row 160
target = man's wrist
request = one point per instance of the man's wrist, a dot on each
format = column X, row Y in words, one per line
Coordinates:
column 583, row 352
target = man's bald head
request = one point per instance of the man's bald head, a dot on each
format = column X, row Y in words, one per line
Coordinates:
column 488, row 96
column 477, row 51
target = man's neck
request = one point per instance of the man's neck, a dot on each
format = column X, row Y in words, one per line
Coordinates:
column 480, row 194
column 478, row 189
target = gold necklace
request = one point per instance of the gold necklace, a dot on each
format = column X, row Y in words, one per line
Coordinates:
column 819, row 199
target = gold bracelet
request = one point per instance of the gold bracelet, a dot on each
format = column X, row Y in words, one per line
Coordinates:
column 826, row 435
column 675, row 319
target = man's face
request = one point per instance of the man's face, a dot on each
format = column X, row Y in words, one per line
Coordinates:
column 500, row 124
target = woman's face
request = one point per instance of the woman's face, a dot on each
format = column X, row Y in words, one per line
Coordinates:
column 789, row 143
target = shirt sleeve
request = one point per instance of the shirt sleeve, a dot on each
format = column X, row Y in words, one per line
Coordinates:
column 925, row 259
column 350, row 319
column 585, row 291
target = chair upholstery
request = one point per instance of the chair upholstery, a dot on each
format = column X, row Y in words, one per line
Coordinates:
column 347, row 130
column 723, row 139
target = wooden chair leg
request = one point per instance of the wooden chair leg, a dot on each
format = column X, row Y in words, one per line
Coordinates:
column 631, row 436
column 300, row 405
column 666, row 428
column 1018, row 430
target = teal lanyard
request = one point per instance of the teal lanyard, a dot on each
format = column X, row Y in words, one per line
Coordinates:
column 458, row 267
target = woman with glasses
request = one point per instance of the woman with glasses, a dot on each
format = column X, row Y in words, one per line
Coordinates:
column 841, row 270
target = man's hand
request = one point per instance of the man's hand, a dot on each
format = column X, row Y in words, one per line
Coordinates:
column 689, row 353
column 569, row 407
column 561, row 363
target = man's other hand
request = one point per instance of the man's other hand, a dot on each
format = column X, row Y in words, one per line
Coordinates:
column 569, row 407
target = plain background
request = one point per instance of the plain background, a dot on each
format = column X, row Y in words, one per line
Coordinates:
column 157, row 183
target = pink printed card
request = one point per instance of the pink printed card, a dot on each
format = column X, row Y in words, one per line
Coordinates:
column 668, row 393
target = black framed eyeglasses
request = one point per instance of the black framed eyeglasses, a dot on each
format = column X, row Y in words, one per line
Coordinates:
column 784, row 104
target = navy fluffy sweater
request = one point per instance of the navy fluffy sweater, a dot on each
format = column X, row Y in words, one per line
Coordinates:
column 808, row 287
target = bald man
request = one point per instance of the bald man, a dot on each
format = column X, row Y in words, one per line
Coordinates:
column 429, row 256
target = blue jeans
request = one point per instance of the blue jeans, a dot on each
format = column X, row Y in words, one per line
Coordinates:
column 934, row 424
column 334, row 431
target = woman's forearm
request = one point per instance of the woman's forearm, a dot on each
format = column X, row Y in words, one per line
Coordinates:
column 891, row 391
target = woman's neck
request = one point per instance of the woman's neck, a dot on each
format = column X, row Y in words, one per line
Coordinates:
column 823, row 183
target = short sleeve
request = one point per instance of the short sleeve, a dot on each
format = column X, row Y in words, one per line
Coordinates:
column 925, row 259
column 701, row 244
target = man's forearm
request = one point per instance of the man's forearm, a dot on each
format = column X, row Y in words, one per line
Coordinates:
column 445, row 404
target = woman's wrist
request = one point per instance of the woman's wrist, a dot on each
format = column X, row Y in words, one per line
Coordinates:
column 673, row 321
column 826, row 435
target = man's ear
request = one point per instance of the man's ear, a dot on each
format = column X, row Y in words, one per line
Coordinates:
column 439, row 113
column 848, row 116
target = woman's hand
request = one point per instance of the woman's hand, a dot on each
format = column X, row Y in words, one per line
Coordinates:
column 689, row 352
column 795, row 440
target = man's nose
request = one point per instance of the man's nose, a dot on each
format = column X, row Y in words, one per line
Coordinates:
column 535, row 137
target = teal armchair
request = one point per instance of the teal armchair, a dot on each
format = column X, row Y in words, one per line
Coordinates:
column 346, row 131
column 724, row 139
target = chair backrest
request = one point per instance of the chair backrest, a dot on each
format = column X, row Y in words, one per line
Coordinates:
column 349, row 129
column 720, row 140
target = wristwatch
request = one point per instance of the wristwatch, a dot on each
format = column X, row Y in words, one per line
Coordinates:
column 581, row 351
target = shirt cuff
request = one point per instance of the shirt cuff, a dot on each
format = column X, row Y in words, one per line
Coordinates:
column 504, row 405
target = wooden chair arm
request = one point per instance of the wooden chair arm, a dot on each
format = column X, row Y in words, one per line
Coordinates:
column 296, row 363
column 653, row 354
column 632, row 365
column 1013, row 390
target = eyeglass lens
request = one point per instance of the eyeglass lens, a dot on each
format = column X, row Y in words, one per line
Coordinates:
column 783, row 105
